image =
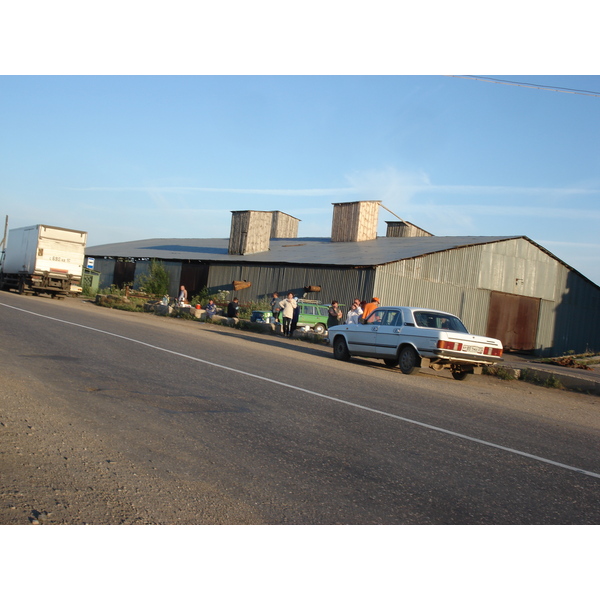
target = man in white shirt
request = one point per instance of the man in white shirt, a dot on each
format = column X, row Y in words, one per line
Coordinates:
column 354, row 314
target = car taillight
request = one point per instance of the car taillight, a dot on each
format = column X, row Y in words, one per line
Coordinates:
column 492, row 351
column 446, row 345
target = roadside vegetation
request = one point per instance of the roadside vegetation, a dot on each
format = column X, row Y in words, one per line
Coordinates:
column 575, row 361
column 154, row 286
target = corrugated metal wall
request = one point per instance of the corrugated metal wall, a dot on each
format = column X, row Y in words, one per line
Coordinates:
column 461, row 280
column 399, row 283
column 577, row 314
column 518, row 267
column 106, row 268
column 173, row 268
column 337, row 283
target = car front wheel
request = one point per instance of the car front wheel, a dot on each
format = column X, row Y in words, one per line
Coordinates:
column 408, row 360
column 340, row 349
column 319, row 328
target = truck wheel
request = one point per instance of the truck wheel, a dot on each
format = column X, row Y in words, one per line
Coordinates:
column 340, row 349
column 408, row 360
column 319, row 328
column 21, row 287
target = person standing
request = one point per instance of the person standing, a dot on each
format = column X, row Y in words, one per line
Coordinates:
column 353, row 314
column 359, row 307
column 275, row 308
column 334, row 315
column 232, row 309
column 370, row 307
column 295, row 318
column 287, row 308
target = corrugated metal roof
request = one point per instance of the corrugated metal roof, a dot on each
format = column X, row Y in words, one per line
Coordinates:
column 310, row 251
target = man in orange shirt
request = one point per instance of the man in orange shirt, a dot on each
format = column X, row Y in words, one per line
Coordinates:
column 369, row 308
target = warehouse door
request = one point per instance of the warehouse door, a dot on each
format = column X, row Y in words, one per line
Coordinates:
column 194, row 276
column 513, row 320
column 124, row 273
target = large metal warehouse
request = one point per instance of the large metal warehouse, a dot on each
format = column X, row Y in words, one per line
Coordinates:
column 507, row 287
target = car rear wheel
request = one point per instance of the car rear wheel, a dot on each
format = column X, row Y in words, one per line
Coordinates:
column 408, row 360
column 319, row 328
column 340, row 349
column 460, row 374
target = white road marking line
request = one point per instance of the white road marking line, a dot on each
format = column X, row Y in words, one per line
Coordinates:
column 332, row 398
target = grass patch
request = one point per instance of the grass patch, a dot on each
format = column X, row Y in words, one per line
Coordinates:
column 499, row 372
column 554, row 382
column 551, row 381
column 121, row 303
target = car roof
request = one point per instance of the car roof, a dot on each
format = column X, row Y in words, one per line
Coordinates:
column 413, row 308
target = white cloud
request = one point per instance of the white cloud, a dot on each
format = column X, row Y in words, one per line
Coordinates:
column 388, row 185
column 251, row 191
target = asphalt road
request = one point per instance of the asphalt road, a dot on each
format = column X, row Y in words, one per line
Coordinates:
column 285, row 434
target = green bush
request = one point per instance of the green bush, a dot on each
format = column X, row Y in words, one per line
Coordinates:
column 156, row 282
column 114, row 290
column 204, row 295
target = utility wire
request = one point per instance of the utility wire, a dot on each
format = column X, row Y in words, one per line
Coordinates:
column 548, row 88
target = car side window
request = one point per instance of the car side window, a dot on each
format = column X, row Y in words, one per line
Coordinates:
column 376, row 318
column 308, row 310
column 323, row 311
column 391, row 317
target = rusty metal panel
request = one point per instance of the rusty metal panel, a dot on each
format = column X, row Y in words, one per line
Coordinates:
column 514, row 320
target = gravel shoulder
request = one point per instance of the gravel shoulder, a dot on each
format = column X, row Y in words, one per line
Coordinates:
column 54, row 472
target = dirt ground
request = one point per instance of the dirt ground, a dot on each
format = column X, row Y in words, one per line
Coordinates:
column 53, row 472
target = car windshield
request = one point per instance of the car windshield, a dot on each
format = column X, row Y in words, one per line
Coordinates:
column 439, row 321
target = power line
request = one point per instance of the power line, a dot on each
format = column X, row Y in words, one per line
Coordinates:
column 548, row 88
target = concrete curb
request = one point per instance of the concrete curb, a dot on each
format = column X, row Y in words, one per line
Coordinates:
column 532, row 373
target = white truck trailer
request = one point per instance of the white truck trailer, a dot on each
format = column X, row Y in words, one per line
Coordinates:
column 43, row 259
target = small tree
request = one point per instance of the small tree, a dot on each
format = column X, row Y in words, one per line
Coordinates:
column 156, row 282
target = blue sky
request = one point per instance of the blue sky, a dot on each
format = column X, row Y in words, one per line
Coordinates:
column 133, row 157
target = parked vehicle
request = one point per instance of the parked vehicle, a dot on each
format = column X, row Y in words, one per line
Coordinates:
column 43, row 259
column 261, row 316
column 313, row 314
column 412, row 338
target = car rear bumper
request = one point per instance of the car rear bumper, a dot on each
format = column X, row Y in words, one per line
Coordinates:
column 462, row 357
